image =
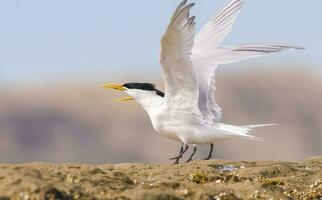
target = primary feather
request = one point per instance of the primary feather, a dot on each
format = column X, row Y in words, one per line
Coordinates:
column 207, row 54
column 181, row 88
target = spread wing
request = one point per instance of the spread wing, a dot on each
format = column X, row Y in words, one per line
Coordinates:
column 216, row 30
column 204, row 62
column 207, row 55
column 237, row 53
column 181, row 89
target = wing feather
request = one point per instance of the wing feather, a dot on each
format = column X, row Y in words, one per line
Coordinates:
column 216, row 30
column 207, row 55
column 189, row 62
column 208, row 39
column 181, row 89
column 237, row 53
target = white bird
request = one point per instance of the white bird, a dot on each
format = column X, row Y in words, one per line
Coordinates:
column 188, row 112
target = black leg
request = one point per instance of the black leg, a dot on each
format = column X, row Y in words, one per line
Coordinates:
column 210, row 153
column 186, row 147
column 193, row 153
column 181, row 150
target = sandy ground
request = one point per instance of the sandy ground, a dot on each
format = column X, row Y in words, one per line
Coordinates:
column 205, row 180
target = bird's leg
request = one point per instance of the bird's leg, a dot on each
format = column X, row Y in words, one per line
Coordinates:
column 193, row 153
column 210, row 153
column 181, row 150
column 184, row 149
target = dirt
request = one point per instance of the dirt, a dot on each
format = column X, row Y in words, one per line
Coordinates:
column 204, row 180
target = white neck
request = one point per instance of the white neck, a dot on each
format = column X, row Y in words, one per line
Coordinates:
column 150, row 103
column 148, row 99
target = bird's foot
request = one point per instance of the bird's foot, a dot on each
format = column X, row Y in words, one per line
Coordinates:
column 175, row 158
column 176, row 162
column 188, row 161
column 207, row 158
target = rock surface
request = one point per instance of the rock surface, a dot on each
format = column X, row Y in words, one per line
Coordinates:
column 205, row 180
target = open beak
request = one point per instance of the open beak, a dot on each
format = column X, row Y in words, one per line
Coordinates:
column 120, row 88
column 125, row 99
column 114, row 86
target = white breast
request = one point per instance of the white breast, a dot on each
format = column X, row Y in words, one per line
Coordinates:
column 163, row 124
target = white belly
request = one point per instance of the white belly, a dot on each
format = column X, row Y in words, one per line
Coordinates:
column 189, row 133
column 165, row 129
column 186, row 129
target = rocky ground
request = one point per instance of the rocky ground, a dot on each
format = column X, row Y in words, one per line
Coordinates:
column 206, row 180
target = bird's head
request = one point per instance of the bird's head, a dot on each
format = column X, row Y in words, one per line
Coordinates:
column 136, row 91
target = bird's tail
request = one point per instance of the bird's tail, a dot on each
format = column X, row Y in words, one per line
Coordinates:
column 259, row 126
column 244, row 131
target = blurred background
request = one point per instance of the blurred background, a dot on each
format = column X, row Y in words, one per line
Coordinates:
column 54, row 56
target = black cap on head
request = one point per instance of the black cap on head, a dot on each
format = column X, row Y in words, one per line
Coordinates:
column 140, row 86
column 144, row 86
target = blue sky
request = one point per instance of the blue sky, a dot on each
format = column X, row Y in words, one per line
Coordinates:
column 58, row 39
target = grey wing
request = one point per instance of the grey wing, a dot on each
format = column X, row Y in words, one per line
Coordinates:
column 207, row 54
column 210, row 110
column 204, row 63
column 237, row 53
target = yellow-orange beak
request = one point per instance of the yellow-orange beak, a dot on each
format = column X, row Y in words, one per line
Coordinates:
column 120, row 88
column 114, row 86
column 125, row 99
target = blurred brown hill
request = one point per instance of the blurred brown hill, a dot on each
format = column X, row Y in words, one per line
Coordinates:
column 68, row 123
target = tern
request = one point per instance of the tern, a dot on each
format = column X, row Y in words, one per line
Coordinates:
column 187, row 110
